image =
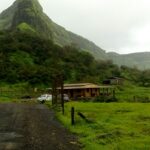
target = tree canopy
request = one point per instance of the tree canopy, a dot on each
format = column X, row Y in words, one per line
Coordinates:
column 26, row 57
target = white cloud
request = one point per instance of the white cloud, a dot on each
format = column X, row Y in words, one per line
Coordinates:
column 142, row 35
column 140, row 39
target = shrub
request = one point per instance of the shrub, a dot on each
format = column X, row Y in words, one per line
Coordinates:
column 106, row 99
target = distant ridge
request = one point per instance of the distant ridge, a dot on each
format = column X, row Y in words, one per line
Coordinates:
column 140, row 60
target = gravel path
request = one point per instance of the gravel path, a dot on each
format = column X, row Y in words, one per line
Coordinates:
column 32, row 127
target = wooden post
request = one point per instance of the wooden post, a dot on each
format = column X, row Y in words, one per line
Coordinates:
column 114, row 94
column 103, row 91
column 134, row 99
column 107, row 91
column 53, row 91
column 72, row 116
column 62, row 95
column 99, row 91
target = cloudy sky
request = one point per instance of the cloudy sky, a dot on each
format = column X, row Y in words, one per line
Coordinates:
column 122, row 26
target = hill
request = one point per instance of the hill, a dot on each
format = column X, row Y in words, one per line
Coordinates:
column 29, row 15
column 139, row 60
column 26, row 57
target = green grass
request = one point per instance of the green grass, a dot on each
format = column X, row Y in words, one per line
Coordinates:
column 25, row 27
column 14, row 92
column 128, row 91
column 113, row 126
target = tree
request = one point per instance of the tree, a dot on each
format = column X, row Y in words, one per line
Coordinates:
column 144, row 78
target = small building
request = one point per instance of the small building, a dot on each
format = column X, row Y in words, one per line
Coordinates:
column 86, row 90
column 113, row 81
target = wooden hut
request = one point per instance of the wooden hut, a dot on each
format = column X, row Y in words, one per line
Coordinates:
column 113, row 81
column 86, row 90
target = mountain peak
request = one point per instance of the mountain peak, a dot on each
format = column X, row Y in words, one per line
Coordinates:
column 21, row 11
column 26, row 11
column 28, row 15
column 28, row 4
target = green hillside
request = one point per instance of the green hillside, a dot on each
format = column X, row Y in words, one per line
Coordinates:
column 31, row 13
column 27, row 57
column 28, row 16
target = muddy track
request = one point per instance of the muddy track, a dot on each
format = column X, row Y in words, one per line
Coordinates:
column 32, row 127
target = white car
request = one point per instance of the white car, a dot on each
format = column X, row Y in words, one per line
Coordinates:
column 45, row 97
column 66, row 97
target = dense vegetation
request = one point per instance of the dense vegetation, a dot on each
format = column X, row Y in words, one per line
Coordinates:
column 31, row 50
column 26, row 57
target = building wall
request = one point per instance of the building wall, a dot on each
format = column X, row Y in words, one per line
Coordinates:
column 88, row 92
column 116, row 81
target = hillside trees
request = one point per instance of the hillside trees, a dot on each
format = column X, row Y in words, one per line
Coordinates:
column 144, row 78
column 106, row 69
column 26, row 57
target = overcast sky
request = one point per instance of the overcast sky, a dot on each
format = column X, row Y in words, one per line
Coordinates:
column 122, row 26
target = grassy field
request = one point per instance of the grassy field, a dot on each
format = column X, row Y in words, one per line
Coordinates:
column 112, row 126
column 14, row 92
column 130, row 92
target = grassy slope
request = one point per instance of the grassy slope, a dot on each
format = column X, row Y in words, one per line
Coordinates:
column 128, row 91
column 116, row 126
column 11, row 93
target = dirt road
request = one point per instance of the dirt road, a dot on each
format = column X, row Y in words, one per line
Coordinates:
column 32, row 127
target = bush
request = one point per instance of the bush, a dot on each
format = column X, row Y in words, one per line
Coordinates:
column 106, row 99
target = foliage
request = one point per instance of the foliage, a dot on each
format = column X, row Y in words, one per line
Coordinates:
column 144, row 78
column 106, row 99
column 26, row 57
column 25, row 27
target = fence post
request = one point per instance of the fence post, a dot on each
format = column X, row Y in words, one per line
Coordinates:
column 62, row 95
column 114, row 94
column 72, row 116
column 134, row 98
